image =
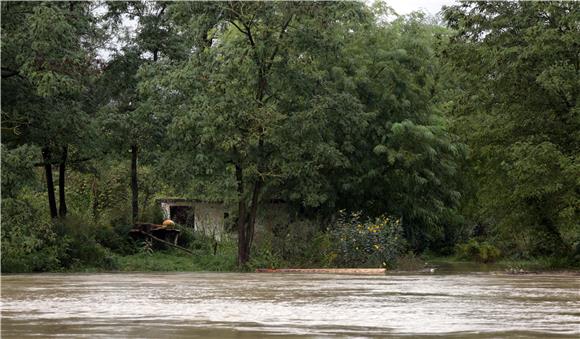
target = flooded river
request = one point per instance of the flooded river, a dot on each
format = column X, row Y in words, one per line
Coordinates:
column 234, row 305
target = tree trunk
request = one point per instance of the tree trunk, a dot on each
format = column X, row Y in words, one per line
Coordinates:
column 49, row 183
column 243, row 254
column 95, row 199
column 560, row 246
column 61, row 183
column 134, row 185
column 255, row 194
column 253, row 214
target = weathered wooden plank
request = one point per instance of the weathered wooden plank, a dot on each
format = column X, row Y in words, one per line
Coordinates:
column 369, row 271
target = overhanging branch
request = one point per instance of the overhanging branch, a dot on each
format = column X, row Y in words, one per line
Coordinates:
column 7, row 73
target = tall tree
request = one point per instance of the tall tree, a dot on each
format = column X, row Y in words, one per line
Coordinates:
column 404, row 161
column 518, row 64
column 131, row 124
column 258, row 103
column 47, row 53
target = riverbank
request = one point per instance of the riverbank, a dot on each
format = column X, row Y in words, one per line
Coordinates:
column 512, row 266
column 174, row 261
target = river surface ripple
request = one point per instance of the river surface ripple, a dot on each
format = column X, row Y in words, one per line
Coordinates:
column 243, row 305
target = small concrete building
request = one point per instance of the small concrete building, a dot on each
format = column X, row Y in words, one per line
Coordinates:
column 212, row 218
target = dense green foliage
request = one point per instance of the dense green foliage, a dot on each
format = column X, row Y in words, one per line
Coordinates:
column 372, row 243
column 464, row 133
column 517, row 108
column 481, row 252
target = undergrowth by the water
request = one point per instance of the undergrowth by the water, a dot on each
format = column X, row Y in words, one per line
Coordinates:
column 540, row 264
column 31, row 243
column 508, row 264
column 156, row 262
column 172, row 261
column 176, row 261
column 410, row 262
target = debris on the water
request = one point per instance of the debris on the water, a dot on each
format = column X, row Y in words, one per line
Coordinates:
column 515, row 270
column 369, row 271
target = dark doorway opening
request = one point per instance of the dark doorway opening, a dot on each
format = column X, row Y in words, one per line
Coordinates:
column 182, row 215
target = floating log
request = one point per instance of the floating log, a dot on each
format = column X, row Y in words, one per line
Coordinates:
column 367, row 271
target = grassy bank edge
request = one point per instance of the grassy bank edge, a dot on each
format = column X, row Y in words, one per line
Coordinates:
column 541, row 264
column 173, row 261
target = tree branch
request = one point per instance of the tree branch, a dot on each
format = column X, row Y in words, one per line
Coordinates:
column 280, row 36
column 163, row 7
column 249, row 34
column 238, row 27
column 56, row 162
column 7, row 73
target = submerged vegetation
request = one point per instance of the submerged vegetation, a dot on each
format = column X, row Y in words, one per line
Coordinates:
column 390, row 138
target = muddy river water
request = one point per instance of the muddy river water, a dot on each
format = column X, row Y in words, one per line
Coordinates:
column 238, row 305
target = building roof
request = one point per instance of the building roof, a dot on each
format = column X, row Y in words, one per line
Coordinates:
column 177, row 200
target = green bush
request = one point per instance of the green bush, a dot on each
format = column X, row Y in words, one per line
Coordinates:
column 223, row 261
column 540, row 264
column 175, row 260
column 264, row 257
column 478, row 251
column 410, row 262
column 186, row 236
column 202, row 243
column 367, row 243
column 224, row 258
column 299, row 244
column 83, row 249
column 116, row 238
column 157, row 261
column 152, row 213
column 29, row 242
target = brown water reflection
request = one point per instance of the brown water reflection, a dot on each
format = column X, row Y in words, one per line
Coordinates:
column 232, row 305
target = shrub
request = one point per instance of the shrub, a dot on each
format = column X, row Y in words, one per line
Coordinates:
column 541, row 264
column 410, row 262
column 157, row 261
column 301, row 244
column 116, row 238
column 83, row 249
column 29, row 242
column 479, row 251
column 376, row 242
column 223, row 260
column 33, row 243
column 264, row 257
column 152, row 213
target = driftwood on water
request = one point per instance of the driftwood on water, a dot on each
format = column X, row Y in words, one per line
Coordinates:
column 369, row 271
